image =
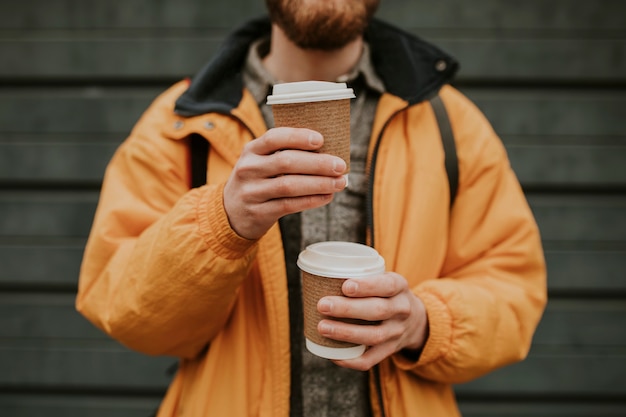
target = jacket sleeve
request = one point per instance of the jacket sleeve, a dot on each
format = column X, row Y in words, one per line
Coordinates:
column 484, row 310
column 162, row 266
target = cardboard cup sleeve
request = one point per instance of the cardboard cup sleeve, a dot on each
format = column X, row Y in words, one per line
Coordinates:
column 330, row 118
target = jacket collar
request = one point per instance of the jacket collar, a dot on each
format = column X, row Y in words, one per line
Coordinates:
column 409, row 67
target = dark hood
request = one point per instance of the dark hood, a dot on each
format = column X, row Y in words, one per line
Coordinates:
column 410, row 68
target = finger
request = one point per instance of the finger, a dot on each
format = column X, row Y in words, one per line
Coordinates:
column 281, row 207
column 302, row 162
column 276, row 208
column 371, row 308
column 361, row 334
column 290, row 186
column 286, row 206
column 385, row 285
column 372, row 357
column 251, row 221
column 252, row 166
column 286, row 138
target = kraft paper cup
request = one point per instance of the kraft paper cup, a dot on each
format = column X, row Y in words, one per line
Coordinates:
column 325, row 266
column 318, row 105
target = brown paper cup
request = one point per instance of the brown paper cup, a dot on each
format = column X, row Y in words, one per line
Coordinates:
column 314, row 287
column 316, row 105
column 330, row 118
column 325, row 266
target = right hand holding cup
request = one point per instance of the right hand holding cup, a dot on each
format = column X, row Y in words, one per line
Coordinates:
column 278, row 174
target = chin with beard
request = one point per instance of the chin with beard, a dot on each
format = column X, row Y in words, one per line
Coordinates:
column 322, row 24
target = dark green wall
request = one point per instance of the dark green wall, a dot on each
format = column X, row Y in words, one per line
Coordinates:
column 76, row 75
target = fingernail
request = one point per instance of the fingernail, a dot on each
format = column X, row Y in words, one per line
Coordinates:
column 324, row 306
column 339, row 166
column 315, row 139
column 350, row 288
column 340, row 183
column 325, row 328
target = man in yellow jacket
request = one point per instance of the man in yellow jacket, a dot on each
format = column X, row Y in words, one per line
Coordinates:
column 207, row 273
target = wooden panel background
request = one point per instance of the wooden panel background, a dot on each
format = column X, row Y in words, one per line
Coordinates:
column 76, row 75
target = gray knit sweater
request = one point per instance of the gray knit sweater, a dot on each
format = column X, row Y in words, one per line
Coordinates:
column 326, row 389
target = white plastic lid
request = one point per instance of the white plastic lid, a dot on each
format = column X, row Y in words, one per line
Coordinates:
column 335, row 353
column 309, row 91
column 341, row 260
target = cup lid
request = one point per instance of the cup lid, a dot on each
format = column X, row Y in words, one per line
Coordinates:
column 309, row 91
column 341, row 260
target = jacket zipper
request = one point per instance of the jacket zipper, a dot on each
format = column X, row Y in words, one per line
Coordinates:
column 369, row 198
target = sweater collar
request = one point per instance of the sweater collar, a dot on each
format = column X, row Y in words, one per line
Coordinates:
column 409, row 68
column 259, row 81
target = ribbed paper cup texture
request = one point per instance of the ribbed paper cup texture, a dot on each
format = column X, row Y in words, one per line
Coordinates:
column 330, row 118
column 325, row 266
column 320, row 106
column 314, row 287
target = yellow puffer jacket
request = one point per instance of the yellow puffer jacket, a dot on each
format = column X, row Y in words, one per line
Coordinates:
column 165, row 274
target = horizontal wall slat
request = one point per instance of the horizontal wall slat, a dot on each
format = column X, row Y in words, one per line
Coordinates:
column 580, row 218
column 46, row 214
column 587, row 271
column 48, row 317
column 580, row 324
column 75, row 58
column 556, row 374
column 157, row 58
column 78, row 114
column 553, row 112
column 124, row 14
column 577, row 325
column 514, row 113
column 79, row 163
column 199, row 14
column 546, row 60
column 534, row 15
column 37, row 405
column 560, row 218
column 40, row 265
column 526, row 408
column 67, row 405
column 559, row 373
column 51, row 266
column 535, row 166
column 88, row 369
column 564, row 165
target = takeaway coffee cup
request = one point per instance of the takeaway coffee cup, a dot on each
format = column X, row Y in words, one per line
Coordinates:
column 317, row 105
column 325, row 266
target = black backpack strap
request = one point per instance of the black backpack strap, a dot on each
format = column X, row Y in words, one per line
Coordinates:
column 198, row 159
column 199, row 153
column 449, row 147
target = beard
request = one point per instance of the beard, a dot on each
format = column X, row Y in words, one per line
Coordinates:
column 322, row 24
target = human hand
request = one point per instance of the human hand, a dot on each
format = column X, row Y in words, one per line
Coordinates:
column 277, row 175
column 386, row 298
